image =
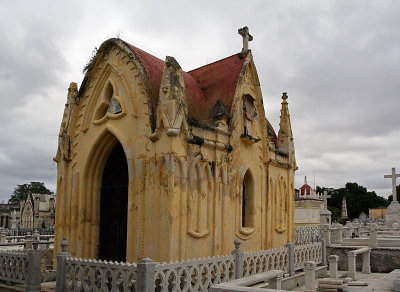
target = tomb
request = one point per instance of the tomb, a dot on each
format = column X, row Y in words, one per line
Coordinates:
column 308, row 206
column 393, row 211
column 157, row 162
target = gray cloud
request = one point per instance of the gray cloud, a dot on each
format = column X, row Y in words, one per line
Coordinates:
column 339, row 62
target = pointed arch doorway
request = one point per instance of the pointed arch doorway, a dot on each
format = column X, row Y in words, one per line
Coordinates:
column 113, row 206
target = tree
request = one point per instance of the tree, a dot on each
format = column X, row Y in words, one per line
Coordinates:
column 390, row 198
column 21, row 191
column 358, row 199
column 336, row 213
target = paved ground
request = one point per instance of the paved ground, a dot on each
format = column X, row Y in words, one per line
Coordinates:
column 376, row 282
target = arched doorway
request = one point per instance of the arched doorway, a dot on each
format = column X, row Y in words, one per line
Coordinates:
column 113, row 207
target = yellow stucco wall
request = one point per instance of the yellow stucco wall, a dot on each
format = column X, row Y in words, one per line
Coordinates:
column 184, row 199
column 377, row 213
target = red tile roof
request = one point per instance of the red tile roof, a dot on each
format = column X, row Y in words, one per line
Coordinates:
column 204, row 85
column 305, row 190
column 154, row 68
column 217, row 80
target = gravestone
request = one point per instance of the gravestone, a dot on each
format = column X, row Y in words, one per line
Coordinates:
column 393, row 215
column 362, row 217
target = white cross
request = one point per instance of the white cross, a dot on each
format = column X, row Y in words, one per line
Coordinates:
column 326, row 197
column 393, row 176
column 244, row 32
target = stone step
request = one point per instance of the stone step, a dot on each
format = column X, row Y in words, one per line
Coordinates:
column 358, row 284
column 331, row 281
column 328, row 286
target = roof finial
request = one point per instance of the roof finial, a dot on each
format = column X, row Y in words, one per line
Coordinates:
column 284, row 96
column 244, row 32
column 305, row 180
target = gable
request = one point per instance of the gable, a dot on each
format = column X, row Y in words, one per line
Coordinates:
column 217, row 80
column 204, row 86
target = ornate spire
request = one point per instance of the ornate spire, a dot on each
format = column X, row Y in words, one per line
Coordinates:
column 285, row 137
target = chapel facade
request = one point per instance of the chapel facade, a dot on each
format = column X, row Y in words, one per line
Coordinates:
column 37, row 211
column 157, row 162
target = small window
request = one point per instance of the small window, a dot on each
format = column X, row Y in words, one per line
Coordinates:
column 248, row 205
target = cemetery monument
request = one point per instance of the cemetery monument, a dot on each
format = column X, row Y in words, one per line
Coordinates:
column 157, row 162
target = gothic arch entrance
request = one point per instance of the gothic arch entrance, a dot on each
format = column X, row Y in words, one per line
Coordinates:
column 114, row 206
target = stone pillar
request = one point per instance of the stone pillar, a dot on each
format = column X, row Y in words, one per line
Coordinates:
column 338, row 234
column 145, row 275
column 309, row 268
column 326, row 235
column 36, row 235
column 61, row 258
column 28, row 241
column 351, row 265
column 366, row 266
column 238, row 259
column 348, row 229
column 323, row 243
column 3, row 236
column 33, row 277
column 325, row 217
column 276, row 282
column 333, row 266
column 290, row 247
column 345, row 231
column 373, row 235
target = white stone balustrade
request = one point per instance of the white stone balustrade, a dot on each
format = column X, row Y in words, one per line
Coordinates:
column 307, row 252
column 307, row 234
column 189, row 275
column 22, row 267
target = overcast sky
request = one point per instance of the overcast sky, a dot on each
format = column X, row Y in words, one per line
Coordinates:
column 339, row 61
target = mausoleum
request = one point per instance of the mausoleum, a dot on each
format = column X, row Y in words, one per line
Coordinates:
column 308, row 206
column 157, row 162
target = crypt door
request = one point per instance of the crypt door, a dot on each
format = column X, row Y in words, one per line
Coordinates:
column 113, row 207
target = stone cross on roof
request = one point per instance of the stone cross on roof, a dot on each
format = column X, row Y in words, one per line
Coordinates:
column 244, row 32
column 393, row 176
column 326, row 197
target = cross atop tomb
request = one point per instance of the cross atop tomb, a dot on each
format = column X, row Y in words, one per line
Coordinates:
column 244, row 32
column 393, row 176
column 326, row 197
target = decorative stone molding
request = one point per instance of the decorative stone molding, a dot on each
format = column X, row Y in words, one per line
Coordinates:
column 97, row 110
